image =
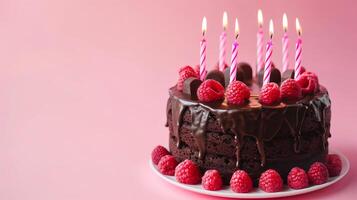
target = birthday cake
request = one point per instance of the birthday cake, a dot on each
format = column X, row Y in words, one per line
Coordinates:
column 231, row 127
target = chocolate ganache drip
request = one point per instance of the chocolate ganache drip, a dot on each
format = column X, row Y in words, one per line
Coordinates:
column 198, row 128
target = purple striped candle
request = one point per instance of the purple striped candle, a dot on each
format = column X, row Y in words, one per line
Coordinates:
column 298, row 51
column 268, row 55
column 233, row 68
column 203, row 69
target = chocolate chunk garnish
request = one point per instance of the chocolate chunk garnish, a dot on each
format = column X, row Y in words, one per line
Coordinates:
column 239, row 76
column 190, row 87
column 216, row 75
column 246, row 70
column 275, row 76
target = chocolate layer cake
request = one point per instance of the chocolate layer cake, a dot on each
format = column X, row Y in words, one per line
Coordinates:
column 254, row 137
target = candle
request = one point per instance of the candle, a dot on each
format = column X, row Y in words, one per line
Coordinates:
column 222, row 44
column 298, row 50
column 260, row 44
column 268, row 54
column 285, row 44
column 233, row 68
column 203, row 70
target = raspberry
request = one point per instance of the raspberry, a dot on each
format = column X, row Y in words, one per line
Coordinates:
column 269, row 94
column 187, row 172
column 308, row 82
column 270, row 181
column 290, row 90
column 212, row 180
column 185, row 73
column 334, row 165
column 318, row 173
column 297, row 178
column 210, row 90
column 237, row 93
column 158, row 153
column 241, row 182
column 167, row 165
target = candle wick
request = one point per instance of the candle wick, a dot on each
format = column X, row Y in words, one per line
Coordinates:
column 237, row 36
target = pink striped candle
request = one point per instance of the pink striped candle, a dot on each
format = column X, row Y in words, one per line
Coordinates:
column 285, row 44
column 268, row 55
column 222, row 44
column 298, row 51
column 203, row 70
column 233, row 68
column 260, row 42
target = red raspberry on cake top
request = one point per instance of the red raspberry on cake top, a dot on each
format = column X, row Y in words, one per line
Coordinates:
column 334, row 165
column 187, row 172
column 212, row 180
column 237, row 93
column 210, row 90
column 297, row 178
column 270, row 181
column 308, row 82
column 185, row 73
column 269, row 94
column 241, row 182
column 290, row 90
column 158, row 153
column 318, row 173
column 167, row 165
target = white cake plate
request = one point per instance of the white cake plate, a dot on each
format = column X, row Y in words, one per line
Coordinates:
column 256, row 193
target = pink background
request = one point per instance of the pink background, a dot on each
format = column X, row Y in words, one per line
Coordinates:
column 83, row 87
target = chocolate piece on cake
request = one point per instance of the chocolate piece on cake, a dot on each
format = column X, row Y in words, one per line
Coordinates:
column 216, row 75
column 275, row 76
column 247, row 72
column 190, row 86
column 239, row 76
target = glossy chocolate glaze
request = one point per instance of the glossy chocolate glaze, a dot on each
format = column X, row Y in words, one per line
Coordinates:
column 255, row 120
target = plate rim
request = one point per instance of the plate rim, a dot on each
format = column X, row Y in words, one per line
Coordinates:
column 257, row 193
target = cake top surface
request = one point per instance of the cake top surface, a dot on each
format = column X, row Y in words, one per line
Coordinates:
column 252, row 104
column 217, row 90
